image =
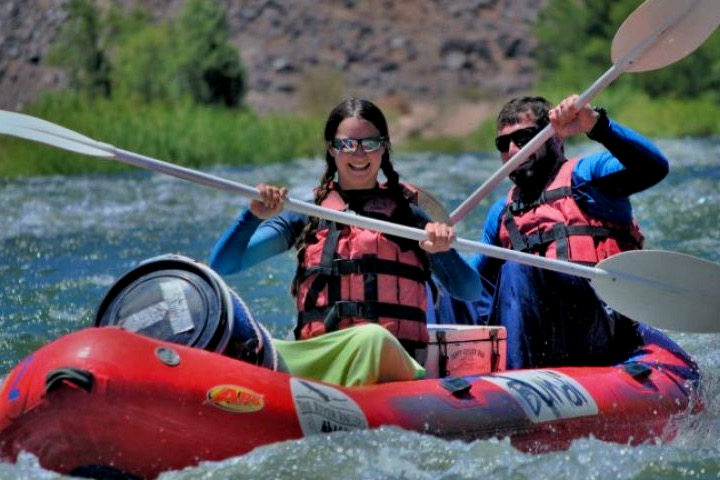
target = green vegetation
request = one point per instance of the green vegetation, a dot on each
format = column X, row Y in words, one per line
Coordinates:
column 80, row 49
column 677, row 100
column 575, row 42
column 187, row 134
column 575, row 38
column 124, row 55
column 174, row 90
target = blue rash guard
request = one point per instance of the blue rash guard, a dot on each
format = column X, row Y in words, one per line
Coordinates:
column 249, row 241
column 601, row 184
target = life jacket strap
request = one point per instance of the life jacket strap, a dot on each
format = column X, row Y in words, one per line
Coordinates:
column 559, row 234
column 518, row 207
column 328, row 254
column 369, row 311
column 367, row 265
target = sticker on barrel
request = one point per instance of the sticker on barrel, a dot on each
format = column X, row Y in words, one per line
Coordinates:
column 546, row 395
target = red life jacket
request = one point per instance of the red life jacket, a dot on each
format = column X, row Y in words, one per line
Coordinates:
column 555, row 226
column 352, row 276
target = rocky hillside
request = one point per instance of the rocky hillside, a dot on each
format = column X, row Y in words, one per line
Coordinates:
column 442, row 63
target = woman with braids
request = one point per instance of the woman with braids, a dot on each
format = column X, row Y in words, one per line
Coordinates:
column 348, row 276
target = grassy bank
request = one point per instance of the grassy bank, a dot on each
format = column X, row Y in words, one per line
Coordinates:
column 189, row 135
column 198, row 136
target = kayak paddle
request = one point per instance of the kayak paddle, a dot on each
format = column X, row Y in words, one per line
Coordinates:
column 665, row 289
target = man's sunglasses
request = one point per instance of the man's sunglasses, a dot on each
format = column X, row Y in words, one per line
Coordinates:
column 519, row 137
column 350, row 145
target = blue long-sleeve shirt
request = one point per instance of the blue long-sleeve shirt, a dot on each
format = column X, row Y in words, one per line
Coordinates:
column 601, row 185
column 249, row 241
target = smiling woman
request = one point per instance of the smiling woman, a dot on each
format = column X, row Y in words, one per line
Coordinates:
column 352, row 276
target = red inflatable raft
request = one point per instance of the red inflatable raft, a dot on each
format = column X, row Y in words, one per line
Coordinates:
column 111, row 400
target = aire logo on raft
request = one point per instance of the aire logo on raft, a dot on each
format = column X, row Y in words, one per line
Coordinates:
column 234, row 398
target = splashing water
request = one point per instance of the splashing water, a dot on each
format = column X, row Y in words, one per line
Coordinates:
column 65, row 240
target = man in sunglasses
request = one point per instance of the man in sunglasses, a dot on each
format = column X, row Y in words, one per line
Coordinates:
column 574, row 209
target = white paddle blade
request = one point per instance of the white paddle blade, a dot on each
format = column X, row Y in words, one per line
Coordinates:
column 432, row 206
column 665, row 289
column 71, row 145
column 29, row 122
column 683, row 25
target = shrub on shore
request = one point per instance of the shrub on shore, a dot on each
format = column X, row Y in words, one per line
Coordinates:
column 186, row 134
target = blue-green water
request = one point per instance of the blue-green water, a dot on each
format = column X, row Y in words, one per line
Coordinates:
column 64, row 240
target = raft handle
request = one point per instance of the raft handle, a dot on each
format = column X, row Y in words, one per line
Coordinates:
column 75, row 376
column 457, row 386
column 639, row 371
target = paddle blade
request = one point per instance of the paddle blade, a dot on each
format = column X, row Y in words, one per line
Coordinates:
column 684, row 33
column 665, row 289
column 53, row 140
column 20, row 120
column 432, row 206
column 38, row 130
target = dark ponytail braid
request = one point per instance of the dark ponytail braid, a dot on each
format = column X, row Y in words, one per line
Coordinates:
column 321, row 193
column 393, row 178
column 326, row 181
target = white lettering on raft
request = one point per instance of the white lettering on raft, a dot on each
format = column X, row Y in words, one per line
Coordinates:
column 546, row 395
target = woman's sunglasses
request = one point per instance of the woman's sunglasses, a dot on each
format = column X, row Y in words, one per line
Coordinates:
column 519, row 137
column 350, row 145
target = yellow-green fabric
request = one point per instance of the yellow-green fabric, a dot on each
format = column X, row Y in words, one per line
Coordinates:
column 360, row 355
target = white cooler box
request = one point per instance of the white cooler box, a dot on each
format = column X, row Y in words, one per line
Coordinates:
column 460, row 350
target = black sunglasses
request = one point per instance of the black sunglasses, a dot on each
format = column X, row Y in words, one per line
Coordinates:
column 519, row 137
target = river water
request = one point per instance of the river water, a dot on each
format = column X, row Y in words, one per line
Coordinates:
column 65, row 240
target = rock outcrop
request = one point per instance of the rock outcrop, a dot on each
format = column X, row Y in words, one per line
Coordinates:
column 441, row 63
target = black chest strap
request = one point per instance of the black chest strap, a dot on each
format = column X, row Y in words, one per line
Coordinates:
column 518, row 207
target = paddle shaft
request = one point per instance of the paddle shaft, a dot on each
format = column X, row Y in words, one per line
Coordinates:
column 31, row 128
column 546, row 133
column 310, row 209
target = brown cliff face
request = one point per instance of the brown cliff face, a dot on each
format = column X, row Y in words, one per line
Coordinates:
column 423, row 57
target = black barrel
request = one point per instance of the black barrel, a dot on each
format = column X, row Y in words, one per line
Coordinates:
column 180, row 300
